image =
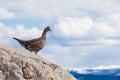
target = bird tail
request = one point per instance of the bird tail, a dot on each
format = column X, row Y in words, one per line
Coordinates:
column 16, row 39
column 20, row 41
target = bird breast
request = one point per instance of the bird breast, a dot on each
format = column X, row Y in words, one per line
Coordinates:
column 38, row 45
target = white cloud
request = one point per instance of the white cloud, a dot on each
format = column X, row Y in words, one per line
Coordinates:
column 106, row 67
column 73, row 27
column 83, row 27
column 7, row 33
column 5, row 14
column 23, row 32
column 105, row 7
column 101, row 52
column 67, row 56
column 115, row 16
column 84, row 70
column 97, row 42
column 100, row 33
column 107, row 42
column 113, row 20
column 102, row 29
column 59, row 8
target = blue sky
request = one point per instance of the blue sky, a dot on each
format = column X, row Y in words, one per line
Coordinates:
column 84, row 33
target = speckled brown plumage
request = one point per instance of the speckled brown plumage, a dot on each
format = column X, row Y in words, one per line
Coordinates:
column 34, row 45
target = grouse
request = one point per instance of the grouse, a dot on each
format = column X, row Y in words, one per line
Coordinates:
column 35, row 45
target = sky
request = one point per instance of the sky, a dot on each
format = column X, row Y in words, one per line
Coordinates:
column 85, row 33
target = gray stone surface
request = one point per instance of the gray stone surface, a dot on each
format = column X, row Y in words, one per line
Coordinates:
column 18, row 64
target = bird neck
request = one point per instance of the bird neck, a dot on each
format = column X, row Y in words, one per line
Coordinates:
column 44, row 34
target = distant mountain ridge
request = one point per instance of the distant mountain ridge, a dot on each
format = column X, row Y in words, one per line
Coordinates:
column 98, row 73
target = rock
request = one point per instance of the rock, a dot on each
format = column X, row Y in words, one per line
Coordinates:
column 18, row 64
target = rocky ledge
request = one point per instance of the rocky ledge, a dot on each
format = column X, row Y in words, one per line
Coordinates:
column 19, row 64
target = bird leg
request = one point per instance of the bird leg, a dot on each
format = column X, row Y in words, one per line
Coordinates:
column 36, row 52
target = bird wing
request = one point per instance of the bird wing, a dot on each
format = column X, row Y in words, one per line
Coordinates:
column 33, row 40
column 36, row 46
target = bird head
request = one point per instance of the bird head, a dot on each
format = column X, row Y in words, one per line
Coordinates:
column 47, row 29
